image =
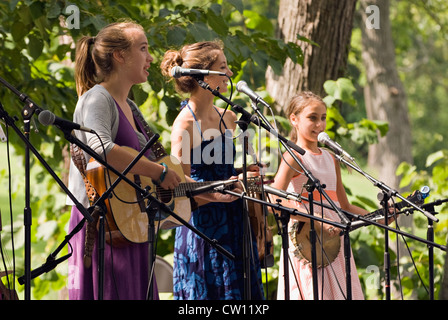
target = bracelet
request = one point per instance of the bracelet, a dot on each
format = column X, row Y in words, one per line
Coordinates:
column 162, row 176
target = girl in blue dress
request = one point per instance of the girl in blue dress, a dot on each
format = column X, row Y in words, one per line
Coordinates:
column 202, row 140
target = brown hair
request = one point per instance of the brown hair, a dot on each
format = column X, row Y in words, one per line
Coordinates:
column 296, row 106
column 93, row 62
column 201, row 55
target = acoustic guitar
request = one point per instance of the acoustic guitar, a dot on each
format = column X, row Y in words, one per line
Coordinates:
column 331, row 244
column 126, row 214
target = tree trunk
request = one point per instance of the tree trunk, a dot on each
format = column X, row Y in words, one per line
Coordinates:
column 384, row 95
column 327, row 23
column 386, row 100
column 443, row 295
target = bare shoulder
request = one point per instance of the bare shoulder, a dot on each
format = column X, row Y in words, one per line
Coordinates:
column 229, row 117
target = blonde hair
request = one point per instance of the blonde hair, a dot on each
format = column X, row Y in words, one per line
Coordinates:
column 296, row 106
column 200, row 55
column 94, row 55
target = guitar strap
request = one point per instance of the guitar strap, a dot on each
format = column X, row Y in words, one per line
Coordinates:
column 80, row 162
column 157, row 149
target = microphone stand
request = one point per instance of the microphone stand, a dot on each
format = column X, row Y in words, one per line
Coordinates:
column 430, row 237
column 356, row 217
column 30, row 107
column 315, row 183
column 384, row 196
column 284, row 219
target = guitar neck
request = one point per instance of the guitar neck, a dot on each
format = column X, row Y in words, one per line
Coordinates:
column 375, row 216
column 183, row 188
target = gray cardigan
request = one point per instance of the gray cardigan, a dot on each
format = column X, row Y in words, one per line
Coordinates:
column 96, row 110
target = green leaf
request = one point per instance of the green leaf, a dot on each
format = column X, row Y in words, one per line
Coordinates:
column 200, row 32
column 367, row 201
column 342, row 89
column 35, row 46
column 216, row 21
column 19, row 31
column 434, row 157
column 258, row 22
column 237, row 4
column 176, row 36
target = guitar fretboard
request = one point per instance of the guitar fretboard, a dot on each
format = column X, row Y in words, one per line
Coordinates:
column 182, row 189
column 378, row 214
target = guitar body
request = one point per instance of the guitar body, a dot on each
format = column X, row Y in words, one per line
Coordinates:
column 127, row 220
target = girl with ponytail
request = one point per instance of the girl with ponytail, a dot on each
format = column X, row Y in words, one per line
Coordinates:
column 307, row 114
column 202, row 139
column 107, row 66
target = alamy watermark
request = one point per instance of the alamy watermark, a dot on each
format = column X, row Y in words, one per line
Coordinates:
column 221, row 149
column 373, row 18
column 373, row 280
column 73, row 19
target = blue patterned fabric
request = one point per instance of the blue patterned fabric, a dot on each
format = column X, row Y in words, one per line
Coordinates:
column 200, row 271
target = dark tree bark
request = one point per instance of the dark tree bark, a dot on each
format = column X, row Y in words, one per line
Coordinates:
column 327, row 23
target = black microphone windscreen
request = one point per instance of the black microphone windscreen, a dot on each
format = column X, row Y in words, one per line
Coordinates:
column 46, row 117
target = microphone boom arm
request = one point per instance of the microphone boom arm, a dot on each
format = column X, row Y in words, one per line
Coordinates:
column 387, row 189
column 285, row 142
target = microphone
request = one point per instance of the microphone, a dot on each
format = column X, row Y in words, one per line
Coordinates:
column 325, row 139
column 281, row 193
column 213, row 187
column 47, row 118
column 178, row 72
column 241, row 86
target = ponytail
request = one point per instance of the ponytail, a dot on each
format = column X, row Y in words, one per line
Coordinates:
column 94, row 55
column 85, row 74
column 200, row 55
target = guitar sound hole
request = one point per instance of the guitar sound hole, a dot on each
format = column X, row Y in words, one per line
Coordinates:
column 164, row 195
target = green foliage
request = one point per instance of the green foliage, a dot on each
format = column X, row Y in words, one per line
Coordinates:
column 37, row 59
column 369, row 244
column 341, row 91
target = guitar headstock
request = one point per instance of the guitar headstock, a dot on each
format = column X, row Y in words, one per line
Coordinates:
column 417, row 197
column 254, row 184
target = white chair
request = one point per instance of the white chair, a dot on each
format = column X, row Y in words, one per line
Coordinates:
column 164, row 275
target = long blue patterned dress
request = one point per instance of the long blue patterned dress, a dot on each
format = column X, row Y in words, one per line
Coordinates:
column 200, row 271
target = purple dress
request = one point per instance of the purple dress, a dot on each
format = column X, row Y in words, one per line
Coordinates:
column 126, row 269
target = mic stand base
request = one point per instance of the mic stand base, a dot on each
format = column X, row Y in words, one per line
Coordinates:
column 284, row 221
column 151, row 211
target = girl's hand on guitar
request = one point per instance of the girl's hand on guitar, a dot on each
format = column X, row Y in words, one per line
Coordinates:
column 223, row 197
column 331, row 231
column 253, row 168
column 391, row 216
column 171, row 180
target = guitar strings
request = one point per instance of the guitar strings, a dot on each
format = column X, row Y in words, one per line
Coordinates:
column 107, row 173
